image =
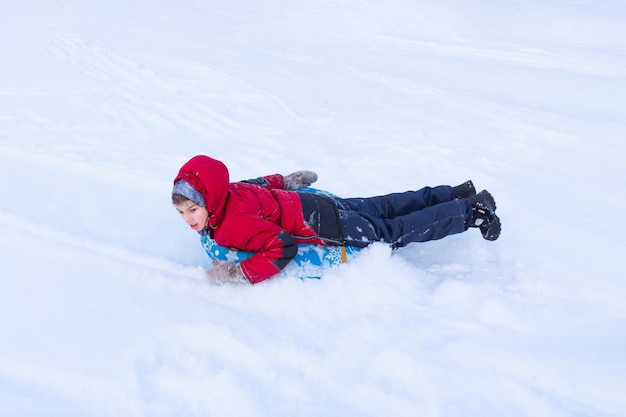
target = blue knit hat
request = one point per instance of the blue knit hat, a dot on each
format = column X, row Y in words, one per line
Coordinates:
column 185, row 189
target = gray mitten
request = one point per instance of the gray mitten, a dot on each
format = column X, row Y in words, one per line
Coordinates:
column 299, row 179
column 224, row 272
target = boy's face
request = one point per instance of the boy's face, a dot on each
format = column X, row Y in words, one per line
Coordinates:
column 194, row 215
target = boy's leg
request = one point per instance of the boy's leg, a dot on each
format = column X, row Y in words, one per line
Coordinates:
column 398, row 204
column 430, row 223
column 433, row 223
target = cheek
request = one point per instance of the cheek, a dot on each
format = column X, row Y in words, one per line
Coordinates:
column 202, row 216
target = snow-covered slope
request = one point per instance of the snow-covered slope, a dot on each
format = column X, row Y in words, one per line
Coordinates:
column 104, row 310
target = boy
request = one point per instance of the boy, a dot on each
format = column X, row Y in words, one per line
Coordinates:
column 271, row 221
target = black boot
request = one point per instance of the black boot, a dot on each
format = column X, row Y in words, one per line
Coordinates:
column 465, row 190
column 484, row 210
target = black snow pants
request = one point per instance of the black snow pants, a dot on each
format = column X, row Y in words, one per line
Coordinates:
column 398, row 219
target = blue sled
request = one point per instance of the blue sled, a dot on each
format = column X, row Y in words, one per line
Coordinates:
column 310, row 261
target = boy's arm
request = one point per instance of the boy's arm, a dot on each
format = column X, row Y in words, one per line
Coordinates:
column 268, row 181
column 273, row 247
column 293, row 181
column 277, row 253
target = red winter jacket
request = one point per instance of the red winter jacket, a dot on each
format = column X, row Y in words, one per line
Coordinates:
column 267, row 221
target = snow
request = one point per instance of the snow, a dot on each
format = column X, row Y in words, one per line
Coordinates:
column 104, row 307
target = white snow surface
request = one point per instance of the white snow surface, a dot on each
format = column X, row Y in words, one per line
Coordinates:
column 104, row 308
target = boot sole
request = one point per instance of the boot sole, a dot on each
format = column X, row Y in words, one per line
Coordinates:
column 490, row 200
column 491, row 231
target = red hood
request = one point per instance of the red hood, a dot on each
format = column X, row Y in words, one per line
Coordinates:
column 210, row 178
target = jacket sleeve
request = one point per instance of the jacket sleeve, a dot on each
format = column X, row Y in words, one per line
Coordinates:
column 274, row 248
column 268, row 181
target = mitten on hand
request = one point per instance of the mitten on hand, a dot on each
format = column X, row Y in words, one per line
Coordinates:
column 224, row 272
column 299, row 179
